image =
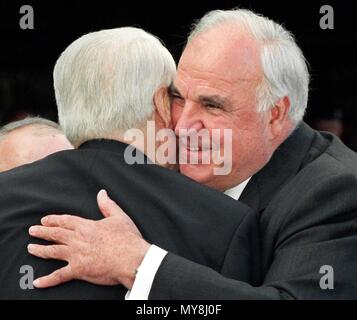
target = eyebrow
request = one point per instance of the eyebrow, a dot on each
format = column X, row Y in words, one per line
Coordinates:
column 174, row 90
column 211, row 99
column 214, row 99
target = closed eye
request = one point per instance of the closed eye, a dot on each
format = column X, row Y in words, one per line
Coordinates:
column 213, row 106
column 175, row 96
column 213, row 102
column 173, row 92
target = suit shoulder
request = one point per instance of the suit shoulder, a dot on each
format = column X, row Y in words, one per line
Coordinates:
column 334, row 159
column 322, row 193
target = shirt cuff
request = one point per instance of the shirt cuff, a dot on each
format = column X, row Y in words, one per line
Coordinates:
column 146, row 274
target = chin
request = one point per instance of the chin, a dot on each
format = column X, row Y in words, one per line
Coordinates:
column 199, row 172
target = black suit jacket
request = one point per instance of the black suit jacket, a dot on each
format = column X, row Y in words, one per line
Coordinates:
column 306, row 197
column 170, row 210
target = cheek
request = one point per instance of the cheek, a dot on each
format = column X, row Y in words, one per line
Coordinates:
column 248, row 148
column 241, row 138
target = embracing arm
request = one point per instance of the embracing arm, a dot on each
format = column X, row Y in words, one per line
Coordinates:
column 311, row 236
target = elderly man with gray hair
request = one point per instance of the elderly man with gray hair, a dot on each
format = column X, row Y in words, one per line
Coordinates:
column 107, row 82
column 244, row 72
column 28, row 140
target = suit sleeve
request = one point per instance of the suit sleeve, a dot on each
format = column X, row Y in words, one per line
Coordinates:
column 181, row 279
column 319, row 229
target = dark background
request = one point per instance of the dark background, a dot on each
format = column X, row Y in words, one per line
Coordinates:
column 27, row 57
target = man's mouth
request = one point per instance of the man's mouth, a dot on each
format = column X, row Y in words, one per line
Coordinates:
column 201, row 147
column 195, row 153
column 193, row 149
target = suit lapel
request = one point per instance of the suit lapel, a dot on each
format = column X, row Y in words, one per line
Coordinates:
column 284, row 164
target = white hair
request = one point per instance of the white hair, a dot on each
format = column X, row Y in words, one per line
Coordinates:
column 285, row 71
column 105, row 82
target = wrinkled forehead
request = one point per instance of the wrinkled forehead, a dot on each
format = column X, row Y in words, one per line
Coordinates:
column 227, row 52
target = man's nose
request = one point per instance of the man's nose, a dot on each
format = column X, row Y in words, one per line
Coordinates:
column 190, row 118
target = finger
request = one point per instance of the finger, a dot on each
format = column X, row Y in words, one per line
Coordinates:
column 55, row 278
column 57, row 252
column 64, row 221
column 54, row 234
column 107, row 206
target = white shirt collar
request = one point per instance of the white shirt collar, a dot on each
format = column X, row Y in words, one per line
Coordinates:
column 237, row 191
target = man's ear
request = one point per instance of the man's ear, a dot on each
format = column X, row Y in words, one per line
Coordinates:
column 162, row 107
column 279, row 116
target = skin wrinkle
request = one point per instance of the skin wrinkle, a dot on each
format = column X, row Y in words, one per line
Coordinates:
column 198, row 73
column 231, row 45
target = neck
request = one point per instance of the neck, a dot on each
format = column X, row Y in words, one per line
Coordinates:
column 135, row 139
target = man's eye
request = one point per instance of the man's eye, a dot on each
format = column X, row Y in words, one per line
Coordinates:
column 213, row 106
column 177, row 100
column 175, row 96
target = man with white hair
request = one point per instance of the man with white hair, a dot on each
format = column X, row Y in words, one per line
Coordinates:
column 244, row 72
column 105, row 83
column 29, row 140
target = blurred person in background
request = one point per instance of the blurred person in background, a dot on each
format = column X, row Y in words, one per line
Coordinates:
column 29, row 140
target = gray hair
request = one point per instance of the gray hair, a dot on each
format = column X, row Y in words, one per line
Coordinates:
column 285, row 71
column 29, row 121
column 105, row 82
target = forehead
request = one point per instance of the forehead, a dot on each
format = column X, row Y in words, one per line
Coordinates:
column 220, row 57
column 33, row 131
column 32, row 137
column 35, row 142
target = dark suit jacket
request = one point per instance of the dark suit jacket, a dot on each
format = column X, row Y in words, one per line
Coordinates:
column 306, row 197
column 171, row 211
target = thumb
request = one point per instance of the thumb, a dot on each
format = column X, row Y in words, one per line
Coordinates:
column 106, row 205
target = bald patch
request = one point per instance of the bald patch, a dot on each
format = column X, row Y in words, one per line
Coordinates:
column 41, row 129
column 29, row 144
column 229, row 50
